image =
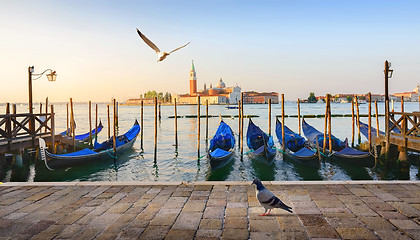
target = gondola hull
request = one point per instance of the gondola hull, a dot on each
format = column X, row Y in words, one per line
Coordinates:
column 263, row 154
column 219, row 162
column 354, row 157
column 63, row 161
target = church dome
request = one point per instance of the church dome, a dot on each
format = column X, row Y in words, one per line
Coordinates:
column 221, row 84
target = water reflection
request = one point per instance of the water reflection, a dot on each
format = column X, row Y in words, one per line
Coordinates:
column 219, row 174
column 353, row 171
column 263, row 171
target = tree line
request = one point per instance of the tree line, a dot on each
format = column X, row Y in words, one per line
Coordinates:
column 160, row 96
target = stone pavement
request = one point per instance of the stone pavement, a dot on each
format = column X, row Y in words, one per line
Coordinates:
column 209, row 210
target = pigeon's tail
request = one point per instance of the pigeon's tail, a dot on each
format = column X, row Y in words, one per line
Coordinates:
column 285, row 207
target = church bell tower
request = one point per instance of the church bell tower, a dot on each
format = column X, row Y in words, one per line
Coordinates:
column 193, row 81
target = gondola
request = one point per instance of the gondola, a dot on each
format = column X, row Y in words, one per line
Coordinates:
column 314, row 136
column 353, row 156
column 221, row 146
column 364, row 129
column 341, row 152
column 85, row 136
column 296, row 147
column 260, row 144
column 100, row 152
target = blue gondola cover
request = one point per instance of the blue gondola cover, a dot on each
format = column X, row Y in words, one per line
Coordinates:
column 313, row 134
column 293, row 141
column 222, row 141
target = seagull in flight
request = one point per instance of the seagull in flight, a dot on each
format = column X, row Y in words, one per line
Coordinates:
column 268, row 200
column 161, row 55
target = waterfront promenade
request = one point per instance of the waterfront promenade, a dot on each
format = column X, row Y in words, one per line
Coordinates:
column 209, row 210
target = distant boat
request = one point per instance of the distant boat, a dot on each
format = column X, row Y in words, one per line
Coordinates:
column 232, row 107
column 260, row 144
column 101, row 151
column 221, row 146
column 296, row 149
column 361, row 101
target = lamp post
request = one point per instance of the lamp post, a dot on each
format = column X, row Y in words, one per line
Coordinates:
column 51, row 77
column 388, row 74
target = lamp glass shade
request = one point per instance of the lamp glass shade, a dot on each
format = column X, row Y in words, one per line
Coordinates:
column 52, row 76
column 390, row 73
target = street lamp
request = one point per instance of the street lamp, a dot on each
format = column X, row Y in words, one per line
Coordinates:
column 388, row 74
column 51, row 77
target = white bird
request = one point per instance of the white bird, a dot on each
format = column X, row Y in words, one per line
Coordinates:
column 268, row 200
column 161, row 55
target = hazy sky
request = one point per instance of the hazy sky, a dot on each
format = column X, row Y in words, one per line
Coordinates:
column 291, row 47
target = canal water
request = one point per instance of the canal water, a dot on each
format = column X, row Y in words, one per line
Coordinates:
column 185, row 163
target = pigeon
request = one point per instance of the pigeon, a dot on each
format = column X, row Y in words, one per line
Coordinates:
column 268, row 200
column 161, row 55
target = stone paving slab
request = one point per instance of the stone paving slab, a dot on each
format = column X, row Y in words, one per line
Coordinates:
column 209, row 210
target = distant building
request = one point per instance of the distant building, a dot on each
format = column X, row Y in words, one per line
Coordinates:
column 137, row 101
column 214, row 95
column 408, row 96
column 255, row 97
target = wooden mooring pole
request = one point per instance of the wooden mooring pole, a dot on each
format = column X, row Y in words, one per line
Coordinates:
column 377, row 119
column 141, row 125
column 325, row 124
column 329, row 123
column 160, row 115
column 359, row 137
column 370, row 121
column 242, row 124
column 269, row 117
column 90, row 123
column 46, row 112
column 96, row 121
column 156, row 123
column 176, row 124
column 239, row 124
column 73, row 130
column 114, row 138
column 53, row 129
column 402, row 104
column 14, row 112
column 40, row 108
column 8, row 127
column 109, row 121
column 67, row 129
column 198, row 125
column 283, row 142
column 207, row 119
column 300, row 123
column 352, row 122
